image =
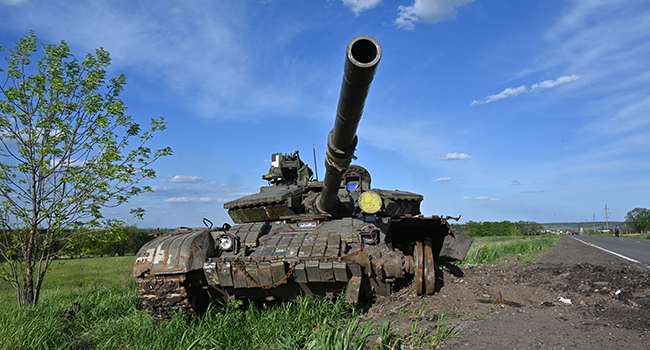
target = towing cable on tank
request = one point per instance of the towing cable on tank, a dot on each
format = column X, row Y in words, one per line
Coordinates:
column 268, row 286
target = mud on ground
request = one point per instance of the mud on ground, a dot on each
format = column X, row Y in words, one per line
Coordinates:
column 609, row 303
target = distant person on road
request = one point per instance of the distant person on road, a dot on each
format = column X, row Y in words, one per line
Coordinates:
column 617, row 231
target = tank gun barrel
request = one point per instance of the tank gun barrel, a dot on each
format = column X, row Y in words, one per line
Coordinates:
column 362, row 57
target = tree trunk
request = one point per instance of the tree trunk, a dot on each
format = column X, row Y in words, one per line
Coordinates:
column 28, row 287
column 28, row 275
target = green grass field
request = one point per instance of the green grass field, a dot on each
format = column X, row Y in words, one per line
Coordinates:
column 111, row 317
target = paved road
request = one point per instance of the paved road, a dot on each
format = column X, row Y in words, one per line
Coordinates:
column 631, row 249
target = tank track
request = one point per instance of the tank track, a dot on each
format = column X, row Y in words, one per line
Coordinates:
column 163, row 296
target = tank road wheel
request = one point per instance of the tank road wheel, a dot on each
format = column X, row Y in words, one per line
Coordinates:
column 428, row 277
column 418, row 257
column 164, row 295
column 429, row 269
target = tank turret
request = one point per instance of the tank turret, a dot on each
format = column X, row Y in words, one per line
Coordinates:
column 303, row 236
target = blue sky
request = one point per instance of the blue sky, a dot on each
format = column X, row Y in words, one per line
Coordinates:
column 493, row 110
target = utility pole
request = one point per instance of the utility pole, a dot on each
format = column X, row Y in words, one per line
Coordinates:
column 594, row 221
column 606, row 217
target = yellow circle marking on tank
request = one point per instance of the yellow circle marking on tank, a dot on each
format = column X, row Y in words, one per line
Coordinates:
column 370, row 202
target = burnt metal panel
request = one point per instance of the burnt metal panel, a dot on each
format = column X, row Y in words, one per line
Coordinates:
column 340, row 271
column 252, row 270
column 393, row 266
column 300, row 273
column 334, row 241
column 280, row 252
column 292, row 251
column 305, row 251
column 332, row 252
column 285, row 240
column 239, row 278
column 321, row 239
column 313, row 271
column 179, row 252
column 318, row 251
column 298, row 238
column 265, row 275
column 309, row 240
column 224, row 273
column 352, row 290
column 266, row 251
column 348, row 231
column 278, row 271
column 326, row 272
column 273, row 241
column 210, row 272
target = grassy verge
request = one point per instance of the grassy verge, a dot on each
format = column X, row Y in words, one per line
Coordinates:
column 493, row 249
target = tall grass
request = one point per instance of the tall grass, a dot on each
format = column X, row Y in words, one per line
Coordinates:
column 92, row 304
column 493, row 249
column 110, row 318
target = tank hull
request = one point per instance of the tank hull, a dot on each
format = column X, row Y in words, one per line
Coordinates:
column 318, row 256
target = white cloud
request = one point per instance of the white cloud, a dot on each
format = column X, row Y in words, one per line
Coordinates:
column 509, row 92
column 443, row 179
column 193, row 200
column 515, row 183
column 14, row 2
column 429, row 11
column 358, row 6
column 455, row 156
column 191, row 190
column 182, row 179
column 221, row 75
column 547, row 84
column 482, row 198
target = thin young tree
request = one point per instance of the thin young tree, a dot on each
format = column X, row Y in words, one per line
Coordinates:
column 67, row 150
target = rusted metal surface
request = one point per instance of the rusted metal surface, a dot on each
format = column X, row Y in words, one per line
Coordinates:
column 352, row 290
column 178, row 253
column 164, row 295
column 429, row 269
column 359, row 257
column 418, row 256
column 269, row 284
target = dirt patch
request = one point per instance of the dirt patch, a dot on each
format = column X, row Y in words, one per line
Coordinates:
column 574, row 297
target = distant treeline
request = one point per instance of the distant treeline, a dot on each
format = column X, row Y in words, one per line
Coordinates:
column 117, row 241
column 500, row 228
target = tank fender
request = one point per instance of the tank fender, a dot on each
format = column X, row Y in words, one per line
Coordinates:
column 181, row 251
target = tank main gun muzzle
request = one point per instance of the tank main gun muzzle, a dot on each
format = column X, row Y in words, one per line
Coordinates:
column 362, row 57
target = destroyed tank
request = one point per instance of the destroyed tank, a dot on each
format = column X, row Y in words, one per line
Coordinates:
column 302, row 236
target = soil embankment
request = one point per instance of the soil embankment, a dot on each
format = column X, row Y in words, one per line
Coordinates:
column 609, row 303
